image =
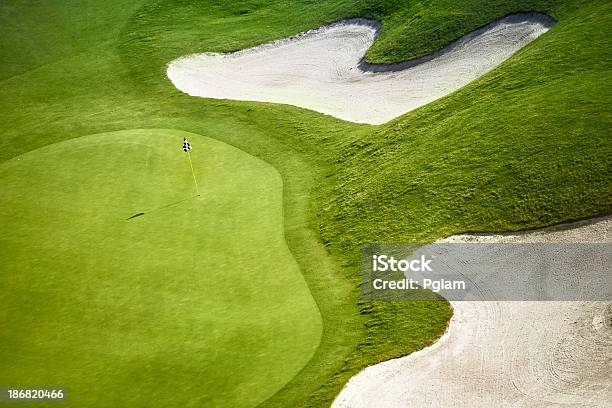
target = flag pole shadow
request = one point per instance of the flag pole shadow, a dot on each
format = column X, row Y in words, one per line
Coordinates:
column 161, row 208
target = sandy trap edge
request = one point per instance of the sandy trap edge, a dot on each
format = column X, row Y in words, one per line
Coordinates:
column 365, row 66
column 324, row 69
column 572, row 369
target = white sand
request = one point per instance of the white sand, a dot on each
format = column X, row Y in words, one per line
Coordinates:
column 323, row 69
column 504, row 354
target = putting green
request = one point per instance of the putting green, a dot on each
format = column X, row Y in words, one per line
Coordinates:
column 198, row 302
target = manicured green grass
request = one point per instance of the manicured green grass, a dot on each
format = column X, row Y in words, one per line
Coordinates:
column 527, row 145
column 198, row 302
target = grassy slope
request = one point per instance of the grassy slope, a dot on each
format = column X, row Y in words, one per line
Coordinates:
column 157, row 310
column 456, row 153
column 55, row 29
column 524, row 146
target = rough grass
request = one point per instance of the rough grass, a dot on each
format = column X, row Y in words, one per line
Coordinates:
column 527, row 145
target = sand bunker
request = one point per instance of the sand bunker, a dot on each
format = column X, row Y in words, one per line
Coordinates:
column 323, row 69
column 494, row 354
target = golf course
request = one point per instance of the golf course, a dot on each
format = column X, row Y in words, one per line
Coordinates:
column 136, row 274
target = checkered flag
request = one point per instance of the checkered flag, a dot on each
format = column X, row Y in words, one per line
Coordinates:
column 186, row 145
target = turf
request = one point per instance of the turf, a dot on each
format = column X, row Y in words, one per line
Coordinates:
column 527, row 145
column 154, row 310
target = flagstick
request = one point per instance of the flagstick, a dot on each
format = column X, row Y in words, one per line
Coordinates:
column 193, row 172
